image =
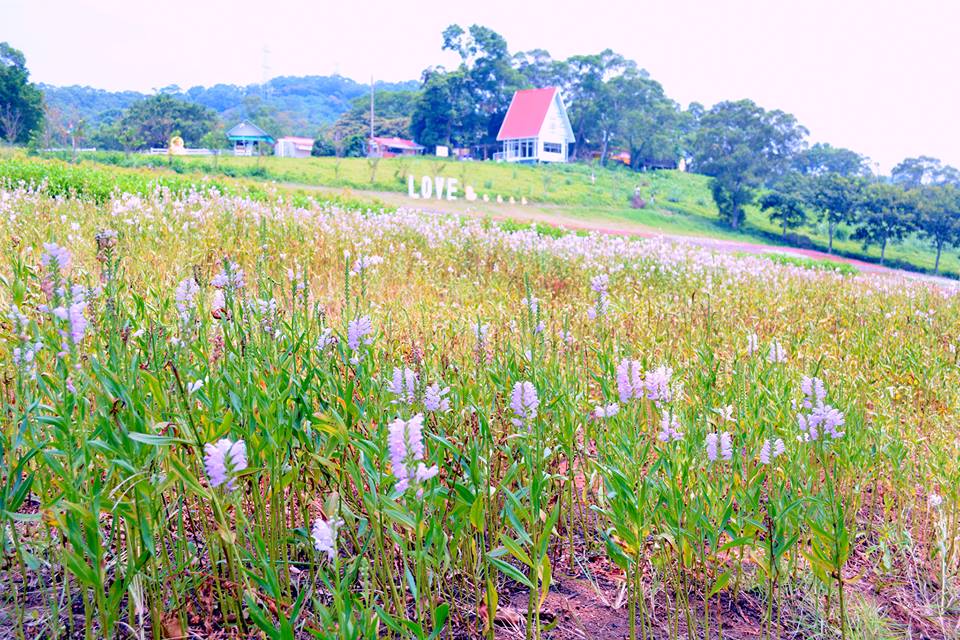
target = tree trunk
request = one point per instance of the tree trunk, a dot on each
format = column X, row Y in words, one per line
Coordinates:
column 831, row 226
column 936, row 264
column 883, row 250
column 784, row 229
column 735, row 218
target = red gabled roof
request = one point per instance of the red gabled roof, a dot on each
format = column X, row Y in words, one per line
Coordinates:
column 396, row 143
column 526, row 114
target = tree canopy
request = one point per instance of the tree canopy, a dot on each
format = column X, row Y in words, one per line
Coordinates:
column 151, row 122
column 835, row 198
column 740, row 145
column 785, row 204
column 938, row 217
column 21, row 103
column 822, row 158
column 886, row 213
column 924, row 170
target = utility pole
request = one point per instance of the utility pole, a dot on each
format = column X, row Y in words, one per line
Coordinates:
column 371, row 106
column 265, row 68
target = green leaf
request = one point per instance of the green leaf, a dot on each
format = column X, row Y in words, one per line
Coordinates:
column 439, row 620
column 510, row 571
column 260, row 619
column 721, row 582
column 152, row 439
column 516, row 550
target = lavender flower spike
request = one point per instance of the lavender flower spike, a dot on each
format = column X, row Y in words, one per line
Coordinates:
column 524, row 402
column 711, row 446
column 726, row 446
column 629, row 380
column 435, row 400
column 324, row 536
column 223, row 460
column 358, row 332
column 405, row 442
column 403, row 385
column 55, row 257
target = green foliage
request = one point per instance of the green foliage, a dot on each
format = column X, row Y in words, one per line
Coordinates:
column 740, row 145
column 153, row 121
column 392, row 111
column 21, row 103
column 810, row 263
column 97, row 185
column 433, row 115
column 885, row 213
column 835, row 198
column 785, row 205
column 465, row 107
column 647, row 122
column 822, row 158
column 323, row 148
column 917, row 172
column 938, row 217
column 302, row 105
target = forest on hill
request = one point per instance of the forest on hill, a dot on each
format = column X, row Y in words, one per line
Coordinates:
column 299, row 105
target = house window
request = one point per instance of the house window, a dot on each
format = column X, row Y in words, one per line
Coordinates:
column 527, row 148
column 552, row 147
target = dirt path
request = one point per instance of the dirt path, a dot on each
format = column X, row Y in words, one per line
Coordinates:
column 557, row 216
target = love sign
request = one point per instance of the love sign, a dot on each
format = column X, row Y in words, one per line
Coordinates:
column 441, row 188
column 435, row 187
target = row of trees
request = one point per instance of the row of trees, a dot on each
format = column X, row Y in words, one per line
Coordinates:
column 880, row 213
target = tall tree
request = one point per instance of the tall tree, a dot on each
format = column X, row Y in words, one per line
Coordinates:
column 647, row 121
column 21, row 103
column 835, row 198
column 433, row 117
column 152, row 121
column 785, row 204
column 938, row 217
column 740, row 145
column 392, row 111
column 487, row 81
column 540, row 70
column 592, row 112
column 886, row 214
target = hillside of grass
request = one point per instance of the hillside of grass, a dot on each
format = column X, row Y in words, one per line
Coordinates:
column 676, row 202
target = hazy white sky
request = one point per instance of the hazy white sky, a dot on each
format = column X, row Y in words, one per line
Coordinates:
column 877, row 76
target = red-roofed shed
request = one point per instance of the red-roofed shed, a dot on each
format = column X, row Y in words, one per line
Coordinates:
column 384, row 147
column 536, row 127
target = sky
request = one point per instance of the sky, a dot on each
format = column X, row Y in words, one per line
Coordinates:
column 879, row 76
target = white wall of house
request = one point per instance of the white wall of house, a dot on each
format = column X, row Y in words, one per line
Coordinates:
column 554, row 133
column 289, row 149
column 552, row 151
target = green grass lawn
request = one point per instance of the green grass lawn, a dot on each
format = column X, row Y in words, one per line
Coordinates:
column 682, row 203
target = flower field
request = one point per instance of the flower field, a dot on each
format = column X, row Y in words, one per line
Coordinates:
column 236, row 416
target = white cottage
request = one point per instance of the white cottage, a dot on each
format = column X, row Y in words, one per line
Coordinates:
column 536, row 128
